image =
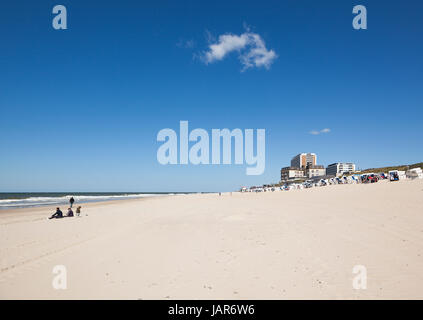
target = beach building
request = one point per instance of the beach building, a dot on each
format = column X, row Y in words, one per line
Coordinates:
column 303, row 159
column 315, row 171
column 339, row 168
column 292, row 173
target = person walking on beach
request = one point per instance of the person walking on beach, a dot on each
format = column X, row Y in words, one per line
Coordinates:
column 78, row 211
column 58, row 214
column 71, row 201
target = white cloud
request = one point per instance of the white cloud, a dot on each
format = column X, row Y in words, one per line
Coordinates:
column 226, row 44
column 250, row 46
column 315, row 132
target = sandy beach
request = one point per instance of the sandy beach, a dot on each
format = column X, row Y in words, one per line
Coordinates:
column 299, row 244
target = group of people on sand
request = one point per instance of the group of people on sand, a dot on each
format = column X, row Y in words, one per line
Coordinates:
column 59, row 214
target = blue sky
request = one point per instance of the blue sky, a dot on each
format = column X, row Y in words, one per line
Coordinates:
column 80, row 108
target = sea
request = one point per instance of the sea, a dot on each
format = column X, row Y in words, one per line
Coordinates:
column 37, row 199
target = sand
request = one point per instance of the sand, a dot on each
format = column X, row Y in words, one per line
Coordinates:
column 299, row 244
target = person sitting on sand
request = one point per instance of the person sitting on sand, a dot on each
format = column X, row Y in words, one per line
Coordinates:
column 78, row 211
column 58, row 214
column 70, row 212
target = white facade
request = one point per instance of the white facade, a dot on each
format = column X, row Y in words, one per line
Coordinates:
column 291, row 173
column 338, row 168
column 315, row 171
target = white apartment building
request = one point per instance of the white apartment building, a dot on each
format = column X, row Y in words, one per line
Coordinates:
column 291, row 173
column 315, row 171
column 339, row 168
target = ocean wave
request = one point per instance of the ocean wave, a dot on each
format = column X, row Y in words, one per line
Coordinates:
column 42, row 201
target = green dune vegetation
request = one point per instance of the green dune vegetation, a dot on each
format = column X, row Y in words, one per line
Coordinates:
column 399, row 167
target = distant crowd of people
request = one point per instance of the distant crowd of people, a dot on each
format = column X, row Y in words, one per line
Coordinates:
column 59, row 214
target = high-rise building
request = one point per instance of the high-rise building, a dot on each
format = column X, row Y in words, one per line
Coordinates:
column 303, row 160
column 340, row 168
